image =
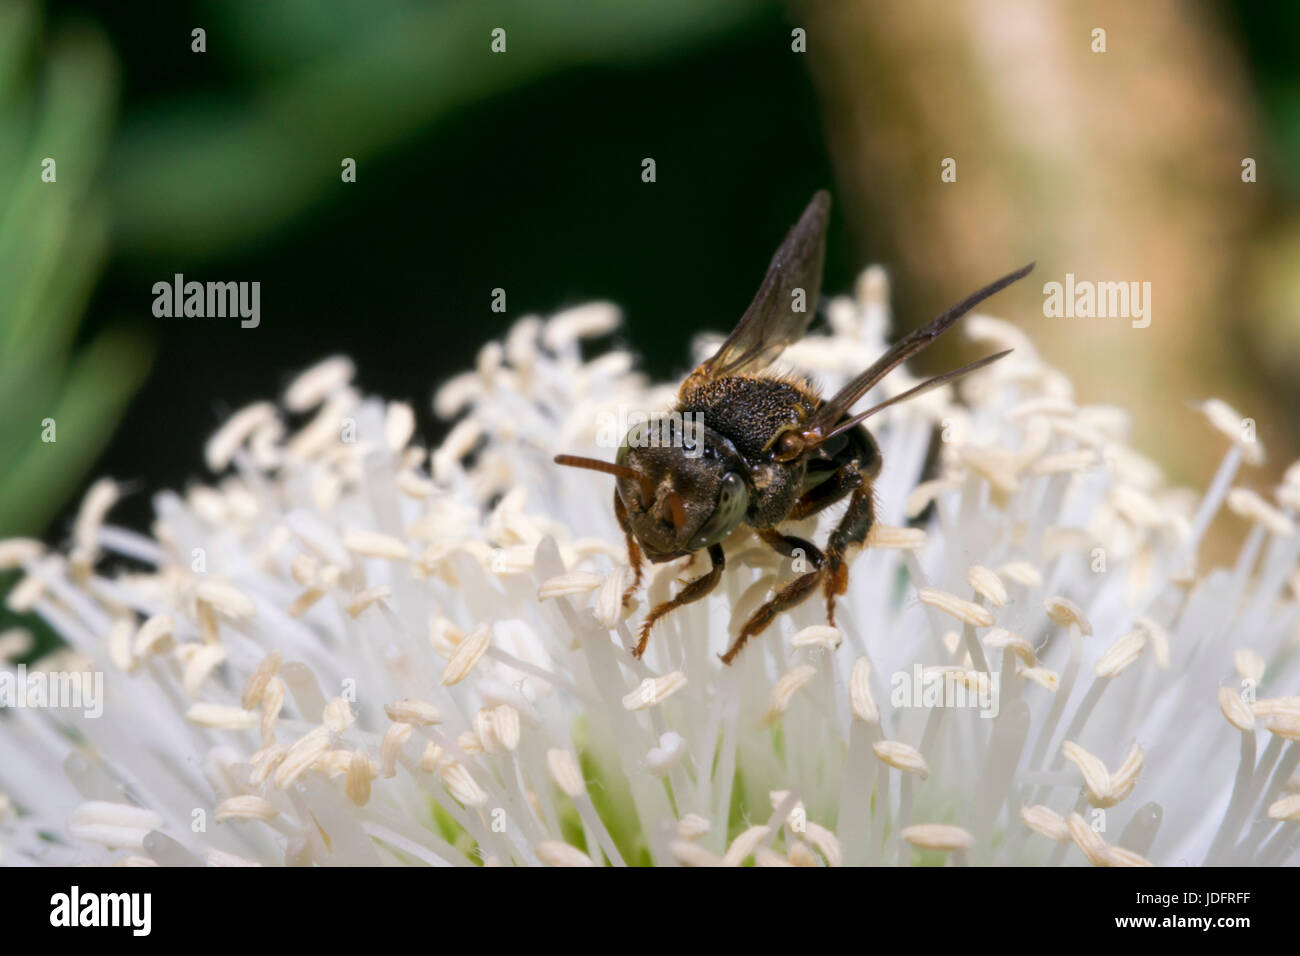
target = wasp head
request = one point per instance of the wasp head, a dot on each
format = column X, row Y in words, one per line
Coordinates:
column 683, row 487
column 686, row 488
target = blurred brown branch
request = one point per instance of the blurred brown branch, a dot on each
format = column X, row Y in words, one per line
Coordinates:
column 1123, row 165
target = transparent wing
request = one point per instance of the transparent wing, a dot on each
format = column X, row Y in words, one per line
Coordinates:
column 772, row 322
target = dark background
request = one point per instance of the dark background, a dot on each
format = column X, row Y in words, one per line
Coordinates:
column 538, row 192
column 535, row 188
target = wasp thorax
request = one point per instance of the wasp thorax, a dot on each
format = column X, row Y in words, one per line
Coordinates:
column 688, row 491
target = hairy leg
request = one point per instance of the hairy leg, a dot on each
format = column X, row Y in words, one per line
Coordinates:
column 829, row 568
column 691, row 592
column 853, row 527
column 852, row 530
column 844, row 481
column 787, row 544
column 787, row 597
column 633, row 549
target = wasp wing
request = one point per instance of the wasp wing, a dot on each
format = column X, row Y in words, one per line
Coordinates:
column 772, row 322
column 829, row 414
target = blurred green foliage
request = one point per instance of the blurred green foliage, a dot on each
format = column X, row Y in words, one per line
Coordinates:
column 211, row 173
column 56, row 101
column 356, row 83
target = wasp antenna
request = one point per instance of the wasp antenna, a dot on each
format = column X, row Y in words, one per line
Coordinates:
column 916, row 390
column 595, row 464
column 609, row 468
column 945, row 320
column 828, row 415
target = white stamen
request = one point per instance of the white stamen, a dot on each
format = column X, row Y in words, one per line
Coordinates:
column 1046, row 821
column 575, row 582
column 466, row 656
column 1121, row 654
column 367, row 599
column 1235, row 709
column 1067, row 614
column 408, row 710
column 372, row 544
column 968, row 612
column 987, row 585
column 744, row 845
column 246, row 807
column 901, row 756
column 226, row 600
column 861, row 702
column 938, row 836
column 314, row 385
column 565, row 772
column 230, row 437
column 885, row 537
column 654, row 691
column 554, row 853
column 221, row 717
column 785, row 689
column 255, row 686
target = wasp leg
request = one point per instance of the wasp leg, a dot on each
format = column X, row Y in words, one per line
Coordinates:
column 691, row 592
column 852, row 478
column 787, row 544
column 852, row 530
column 846, row 479
column 633, row 549
column 792, row 594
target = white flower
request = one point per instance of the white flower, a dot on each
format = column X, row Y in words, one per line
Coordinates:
column 347, row 650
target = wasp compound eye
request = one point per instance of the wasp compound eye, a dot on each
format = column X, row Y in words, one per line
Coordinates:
column 733, row 501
